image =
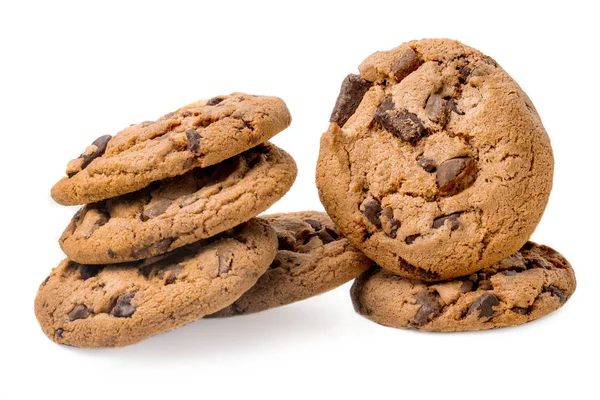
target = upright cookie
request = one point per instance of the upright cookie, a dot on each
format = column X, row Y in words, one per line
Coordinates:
column 434, row 155
column 118, row 305
column 198, row 135
column 312, row 259
column 171, row 213
column 525, row 286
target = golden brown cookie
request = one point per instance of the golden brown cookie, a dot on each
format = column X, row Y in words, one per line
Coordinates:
column 436, row 157
column 197, row 135
column 531, row 283
column 118, row 305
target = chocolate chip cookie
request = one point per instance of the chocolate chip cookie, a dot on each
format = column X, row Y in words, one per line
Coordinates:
column 198, row 135
column 531, row 283
column 434, row 155
column 118, row 305
column 181, row 210
column 312, row 259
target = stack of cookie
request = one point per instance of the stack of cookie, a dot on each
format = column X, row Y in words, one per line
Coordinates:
column 436, row 165
column 168, row 233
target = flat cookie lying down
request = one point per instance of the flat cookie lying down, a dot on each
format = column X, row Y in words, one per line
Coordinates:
column 312, row 259
column 523, row 287
column 122, row 304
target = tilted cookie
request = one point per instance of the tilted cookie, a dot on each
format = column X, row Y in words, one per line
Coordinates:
column 523, row 287
column 181, row 210
column 434, row 155
column 198, row 135
column 118, row 305
column 312, row 259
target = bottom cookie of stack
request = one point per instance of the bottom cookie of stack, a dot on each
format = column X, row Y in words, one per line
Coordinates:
column 531, row 283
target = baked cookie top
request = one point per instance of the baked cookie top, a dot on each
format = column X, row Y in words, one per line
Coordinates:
column 118, row 305
column 434, row 155
column 312, row 259
column 180, row 210
column 531, row 283
column 197, row 135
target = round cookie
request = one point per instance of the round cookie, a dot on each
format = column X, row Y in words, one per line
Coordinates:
column 118, row 305
column 531, row 283
column 312, row 259
column 171, row 213
column 436, row 157
column 198, row 135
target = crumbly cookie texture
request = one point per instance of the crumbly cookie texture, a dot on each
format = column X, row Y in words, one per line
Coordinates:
column 171, row 213
column 312, row 259
column 531, row 283
column 436, row 163
column 118, row 305
column 198, row 135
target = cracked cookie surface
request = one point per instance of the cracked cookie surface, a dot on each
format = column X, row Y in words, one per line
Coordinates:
column 312, row 259
column 436, row 163
column 122, row 304
column 181, row 210
column 200, row 134
column 531, row 283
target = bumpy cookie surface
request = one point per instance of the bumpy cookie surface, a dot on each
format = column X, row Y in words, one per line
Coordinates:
column 181, row 210
column 523, row 287
column 312, row 259
column 118, row 305
column 198, row 135
column 434, row 155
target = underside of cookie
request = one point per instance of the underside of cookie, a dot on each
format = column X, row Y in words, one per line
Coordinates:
column 436, row 163
column 531, row 283
column 197, row 135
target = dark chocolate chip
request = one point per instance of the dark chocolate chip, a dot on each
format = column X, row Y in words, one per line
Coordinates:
column 110, row 253
column 430, row 305
column 46, row 280
column 455, row 175
column 88, row 271
column 452, row 107
column 490, row 61
column 407, row 63
column 351, row 94
column 100, row 144
column 333, row 233
column 401, row 123
column 79, row 312
column 324, row 236
column 171, row 272
column 58, row 333
column 157, row 248
column 193, row 139
column 214, row 101
column 467, row 286
column 389, row 224
column 427, row 164
column 484, row 304
column 521, row 310
column 436, row 108
column 410, row 239
column 371, row 208
column 465, row 72
column 316, row 225
column 556, row 292
column 286, row 242
column 452, row 218
column 156, row 210
column 123, row 307
column 224, row 264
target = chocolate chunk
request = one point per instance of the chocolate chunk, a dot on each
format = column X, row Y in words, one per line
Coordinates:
column 333, row 233
column 193, row 139
column 157, row 248
column 324, row 236
column 100, row 144
column 351, row 94
column 371, row 208
column 46, row 280
column 401, row 123
column 79, row 312
column 467, row 286
column 427, row 164
column 452, row 107
column 156, row 210
column 455, row 175
column 410, row 239
column 407, row 63
column 484, row 304
column 110, row 253
column 123, row 307
column 89, row 271
column 430, row 305
column 171, row 272
column 436, row 108
column 465, row 72
column 389, row 224
column 452, row 218
column 224, row 264
column 556, row 292
column 58, row 333
column 521, row 310
column 286, row 242
column 316, row 225
column 214, row 101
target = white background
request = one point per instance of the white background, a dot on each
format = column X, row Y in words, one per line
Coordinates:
column 72, row 72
